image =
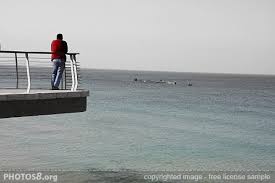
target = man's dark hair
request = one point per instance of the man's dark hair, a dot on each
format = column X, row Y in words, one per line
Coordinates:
column 59, row 36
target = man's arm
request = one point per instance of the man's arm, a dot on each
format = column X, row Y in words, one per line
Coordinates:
column 65, row 47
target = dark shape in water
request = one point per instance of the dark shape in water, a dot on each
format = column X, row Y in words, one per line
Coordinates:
column 151, row 81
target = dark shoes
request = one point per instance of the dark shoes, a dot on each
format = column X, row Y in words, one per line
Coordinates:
column 55, row 88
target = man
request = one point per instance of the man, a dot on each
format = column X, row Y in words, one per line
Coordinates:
column 59, row 49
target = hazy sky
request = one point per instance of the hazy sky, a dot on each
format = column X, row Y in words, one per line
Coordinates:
column 232, row 36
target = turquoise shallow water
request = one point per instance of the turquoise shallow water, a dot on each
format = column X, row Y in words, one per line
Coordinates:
column 222, row 122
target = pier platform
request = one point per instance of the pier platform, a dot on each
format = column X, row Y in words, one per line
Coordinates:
column 17, row 103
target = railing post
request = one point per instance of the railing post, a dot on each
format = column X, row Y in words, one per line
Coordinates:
column 62, row 81
column 16, row 68
column 28, row 72
column 72, row 72
column 75, row 73
column 65, row 80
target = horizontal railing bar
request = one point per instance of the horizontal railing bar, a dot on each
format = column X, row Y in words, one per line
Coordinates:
column 37, row 80
column 12, row 57
column 33, row 52
column 24, row 74
column 36, row 74
column 6, row 57
column 68, row 79
column 42, row 58
column 7, row 69
column 78, row 69
column 41, row 61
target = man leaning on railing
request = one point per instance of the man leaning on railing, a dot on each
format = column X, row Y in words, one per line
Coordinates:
column 59, row 48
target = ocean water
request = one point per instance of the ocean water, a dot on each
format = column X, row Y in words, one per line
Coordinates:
column 222, row 122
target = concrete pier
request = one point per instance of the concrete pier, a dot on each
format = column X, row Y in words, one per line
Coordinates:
column 17, row 103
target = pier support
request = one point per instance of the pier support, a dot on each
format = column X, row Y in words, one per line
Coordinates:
column 42, row 103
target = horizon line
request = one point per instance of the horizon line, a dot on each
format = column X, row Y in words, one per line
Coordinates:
column 194, row 72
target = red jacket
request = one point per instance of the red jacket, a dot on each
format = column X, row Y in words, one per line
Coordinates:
column 59, row 49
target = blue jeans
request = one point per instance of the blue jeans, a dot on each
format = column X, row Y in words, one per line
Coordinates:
column 58, row 68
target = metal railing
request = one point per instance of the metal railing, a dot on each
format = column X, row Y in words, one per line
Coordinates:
column 27, row 67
